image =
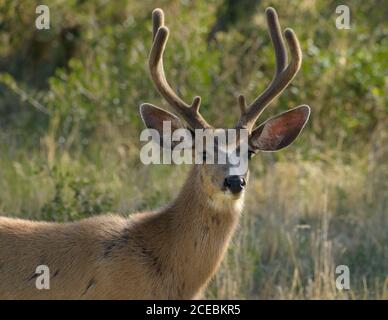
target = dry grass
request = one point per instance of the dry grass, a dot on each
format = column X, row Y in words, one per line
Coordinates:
column 302, row 218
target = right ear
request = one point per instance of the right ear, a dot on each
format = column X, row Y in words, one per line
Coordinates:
column 153, row 118
column 280, row 131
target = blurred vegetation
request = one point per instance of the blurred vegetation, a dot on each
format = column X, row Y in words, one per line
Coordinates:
column 69, row 128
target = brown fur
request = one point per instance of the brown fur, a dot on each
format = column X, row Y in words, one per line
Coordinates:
column 171, row 253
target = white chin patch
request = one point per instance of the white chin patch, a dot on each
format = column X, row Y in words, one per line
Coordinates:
column 226, row 201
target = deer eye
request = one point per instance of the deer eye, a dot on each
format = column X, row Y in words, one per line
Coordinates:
column 250, row 154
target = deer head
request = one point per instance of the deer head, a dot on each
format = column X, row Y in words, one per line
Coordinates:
column 272, row 135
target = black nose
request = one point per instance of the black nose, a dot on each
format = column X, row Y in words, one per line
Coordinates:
column 235, row 184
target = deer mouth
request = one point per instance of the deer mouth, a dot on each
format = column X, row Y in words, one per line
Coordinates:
column 232, row 196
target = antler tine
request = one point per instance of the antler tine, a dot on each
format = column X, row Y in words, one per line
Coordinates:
column 283, row 75
column 277, row 40
column 157, row 21
column 189, row 112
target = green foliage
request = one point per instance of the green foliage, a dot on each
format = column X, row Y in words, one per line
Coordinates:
column 74, row 197
column 103, row 76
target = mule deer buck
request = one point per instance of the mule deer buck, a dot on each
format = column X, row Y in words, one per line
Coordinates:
column 169, row 253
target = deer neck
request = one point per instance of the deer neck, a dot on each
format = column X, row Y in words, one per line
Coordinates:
column 202, row 225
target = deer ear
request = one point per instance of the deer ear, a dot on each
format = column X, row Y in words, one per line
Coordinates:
column 154, row 117
column 279, row 131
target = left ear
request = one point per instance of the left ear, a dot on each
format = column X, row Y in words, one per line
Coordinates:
column 279, row 131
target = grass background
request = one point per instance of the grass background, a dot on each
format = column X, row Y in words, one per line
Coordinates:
column 69, row 130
